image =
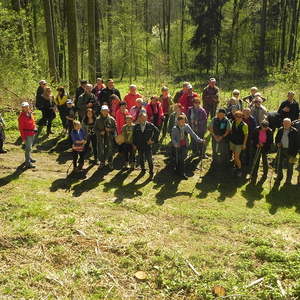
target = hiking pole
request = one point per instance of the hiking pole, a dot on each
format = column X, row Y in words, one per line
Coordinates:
column 69, row 168
column 256, row 158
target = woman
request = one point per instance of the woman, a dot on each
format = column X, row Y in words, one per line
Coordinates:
column 166, row 102
column 121, row 114
column 60, row 101
column 99, row 86
column 155, row 112
column 78, row 136
column 91, row 138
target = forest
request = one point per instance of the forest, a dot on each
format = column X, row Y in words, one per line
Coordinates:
column 68, row 40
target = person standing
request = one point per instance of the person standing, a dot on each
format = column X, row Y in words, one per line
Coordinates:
column 238, row 140
column 121, row 114
column 60, row 102
column 105, row 129
column 286, row 141
column 39, row 92
column 2, row 135
column 198, row 121
column 70, row 116
column 155, row 112
column 89, row 127
column 131, row 97
column 127, row 147
column 145, row 134
column 262, row 140
column 248, row 99
column 210, row 97
column 177, row 111
column 28, row 130
column 98, row 88
column 136, row 110
column 187, row 98
column 78, row 136
column 80, row 90
column 166, row 103
column 107, row 92
column 181, row 92
column 85, row 101
column 258, row 111
column 180, row 143
column 289, row 108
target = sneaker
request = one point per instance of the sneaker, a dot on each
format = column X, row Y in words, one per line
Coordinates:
column 3, row 151
column 32, row 160
column 30, row 166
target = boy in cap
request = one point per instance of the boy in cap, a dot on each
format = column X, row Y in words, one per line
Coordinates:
column 127, row 146
column 210, row 97
column 105, row 129
column 28, row 130
column 2, row 135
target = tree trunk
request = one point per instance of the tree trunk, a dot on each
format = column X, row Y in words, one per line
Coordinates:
column 91, row 5
column 98, row 40
column 293, row 30
column 168, row 31
column 72, row 45
column 109, row 39
column 182, row 33
column 283, row 34
column 147, row 36
column 263, row 28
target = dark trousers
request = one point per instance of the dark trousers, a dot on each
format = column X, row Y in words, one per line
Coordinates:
column 221, row 153
column 284, row 157
column 210, row 109
column 1, row 145
column 248, row 154
column 180, row 156
column 48, row 115
column 62, row 115
column 145, row 154
column 80, row 161
column 91, row 139
column 127, row 150
column 165, row 125
column 198, row 148
column 264, row 156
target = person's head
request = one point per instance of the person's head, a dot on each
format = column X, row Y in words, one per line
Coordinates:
column 142, row 117
column 177, row 107
column 47, row 91
column 236, row 93
column 43, row 83
column 110, row 84
column 287, row 123
column 221, row 113
column 61, row 91
column 90, row 113
column 185, row 85
column 69, row 103
column 165, row 91
column 123, row 106
column 238, row 115
column 88, row 88
column 258, row 101
column 83, row 83
column 139, row 102
column 25, row 106
column 291, row 95
column 114, row 98
column 181, row 120
column 253, row 90
column 212, row 82
column 189, row 89
column 99, row 81
column 154, row 99
column 196, row 102
column 264, row 125
column 104, row 110
column 132, row 89
column 233, row 101
column 246, row 113
column 77, row 125
column 129, row 119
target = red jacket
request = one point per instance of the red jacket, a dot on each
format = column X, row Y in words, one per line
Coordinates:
column 130, row 99
column 186, row 100
column 155, row 118
column 27, row 125
column 121, row 120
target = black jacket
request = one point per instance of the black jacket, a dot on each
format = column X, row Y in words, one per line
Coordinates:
column 106, row 93
column 296, row 124
column 140, row 138
column 269, row 142
column 293, row 137
column 293, row 114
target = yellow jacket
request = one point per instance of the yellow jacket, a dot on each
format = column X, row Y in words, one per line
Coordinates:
column 60, row 100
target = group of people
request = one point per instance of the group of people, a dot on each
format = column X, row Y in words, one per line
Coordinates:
column 98, row 118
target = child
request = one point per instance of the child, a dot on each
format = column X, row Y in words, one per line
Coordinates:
column 78, row 137
column 121, row 114
column 70, row 116
column 127, row 146
column 2, row 135
column 180, row 140
column 177, row 111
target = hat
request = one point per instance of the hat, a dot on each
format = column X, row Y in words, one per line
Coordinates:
column 222, row 110
column 25, row 104
column 83, row 81
column 104, row 107
column 189, row 86
column 235, row 91
column 132, row 86
column 69, row 101
column 43, row 81
column 164, row 88
column 212, row 79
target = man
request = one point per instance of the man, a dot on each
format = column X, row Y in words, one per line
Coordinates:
column 2, row 135
column 198, row 121
column 219, row 128
column 105, row 129
column 137, row 109
column 107, row 92
column 251, row 97
column 39, row 92
column 262, row 140
column 238, row 140
column 187, row 98
column 289, row 108
column 181, row 92
column 155, row 112
column 180, row 143
column 28, row 130
column 210, row 97
column 286, row 141
column 144, row 135
column 166, row 103
column 132, row 96
column 99, row 86
column 296, row 124
column 80, row 90
column 258, row 111
column 85, row 101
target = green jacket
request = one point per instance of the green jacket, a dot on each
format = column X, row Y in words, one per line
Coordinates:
column 102, row 123
column 127, row 132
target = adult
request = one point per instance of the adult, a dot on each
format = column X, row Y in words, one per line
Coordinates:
column 60, row 102
column 121, row 114
column 136, row 110
column 2, row 135
column 131, row 97
column 180, row 142
column 99, row 86
column 186, row 100
column 210, row 97
column 296, row 124
column 144, row 135
column 220, row 128
column 107, row 92
column 80, row 90
column 88, row 125
column 181, row 92
column 28, row 130
column 234, row 103
column 248, row 99
column 262, row 140
column 166, row 103
column 105, row 128
column 197, row 118
column 286, row 141
column 114, row 101
column 39, row 92
column 289, row 108
column 258, row 111
column 78, row 136
column 155, row 112
column 177, row 111
column 127, row 147
column 85, row 101
column 238, row 140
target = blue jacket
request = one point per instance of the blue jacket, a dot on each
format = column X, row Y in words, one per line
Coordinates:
column 78, row 135
column 187, row 131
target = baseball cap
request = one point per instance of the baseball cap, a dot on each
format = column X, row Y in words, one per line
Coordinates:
column 69, row 101
column 25, row 104
column 104, row 107
column 43, row 81
column 212, row 79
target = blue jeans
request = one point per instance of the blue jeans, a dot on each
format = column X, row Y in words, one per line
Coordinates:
column 28, row 147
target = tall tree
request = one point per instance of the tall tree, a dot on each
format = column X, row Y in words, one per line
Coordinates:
column 98, row 39
column 293, row 30
column 182, row 23
column 72, row 45
column 91, row 5
column 262, row 39
column 109, row 38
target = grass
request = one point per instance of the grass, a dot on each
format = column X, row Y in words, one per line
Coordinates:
column 85, row 237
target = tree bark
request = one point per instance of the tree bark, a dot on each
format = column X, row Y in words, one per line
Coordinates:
column 109, row 39
column 91, row 4
column 98, row 40
column 182, row 33
column 263, row 28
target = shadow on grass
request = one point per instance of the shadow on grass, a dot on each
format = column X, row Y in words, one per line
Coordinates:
column 285, row 197
column 252, row 193
column 15, row 175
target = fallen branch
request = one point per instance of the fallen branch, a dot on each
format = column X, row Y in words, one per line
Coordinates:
column 255, row 282
column 192, row 268
column 282, row 291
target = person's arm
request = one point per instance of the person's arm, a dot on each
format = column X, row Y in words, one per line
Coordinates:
column 192, row 133
column 282, row 105
column 246, row 133
column 174, row 137
column 155, row 133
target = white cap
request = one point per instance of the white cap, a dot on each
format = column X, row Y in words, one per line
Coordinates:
column 25, row 104
column 235, row 91
column 212, row 79
column 132, row 86
column 189, row 86
column 43, row 81
column 104, row 107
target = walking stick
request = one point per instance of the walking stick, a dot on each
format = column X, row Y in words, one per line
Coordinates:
column 256, row 158
column 69, row 168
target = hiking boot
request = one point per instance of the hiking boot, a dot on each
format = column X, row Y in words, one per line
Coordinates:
column 32, row 160
column 3, row 151
column 126, row 166
column 30, row 166
column 101, row 165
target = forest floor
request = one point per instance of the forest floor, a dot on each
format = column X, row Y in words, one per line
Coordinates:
column 85, row 237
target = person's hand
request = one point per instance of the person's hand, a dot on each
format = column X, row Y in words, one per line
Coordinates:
column 278, row 145
column 134, row 147
column 150, row 142
column 176, row 146
column 107, row 129
column 244, row 147
column 286, row 109
column 102, row 132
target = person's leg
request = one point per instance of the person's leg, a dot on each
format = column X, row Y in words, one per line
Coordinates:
column 28, row 148
column 81, row 160
column 110, row 150
column 265, row 164
column 1, row 146
column 238, row 162
column 141, row 154
column 289, row 172
column 280, row 158
column 149, row 158
column 75, row 157
column 255, row 169
column 94, row 146
column 213, row 109
column 131, row 155
column 165, row 126
column 100, row 150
